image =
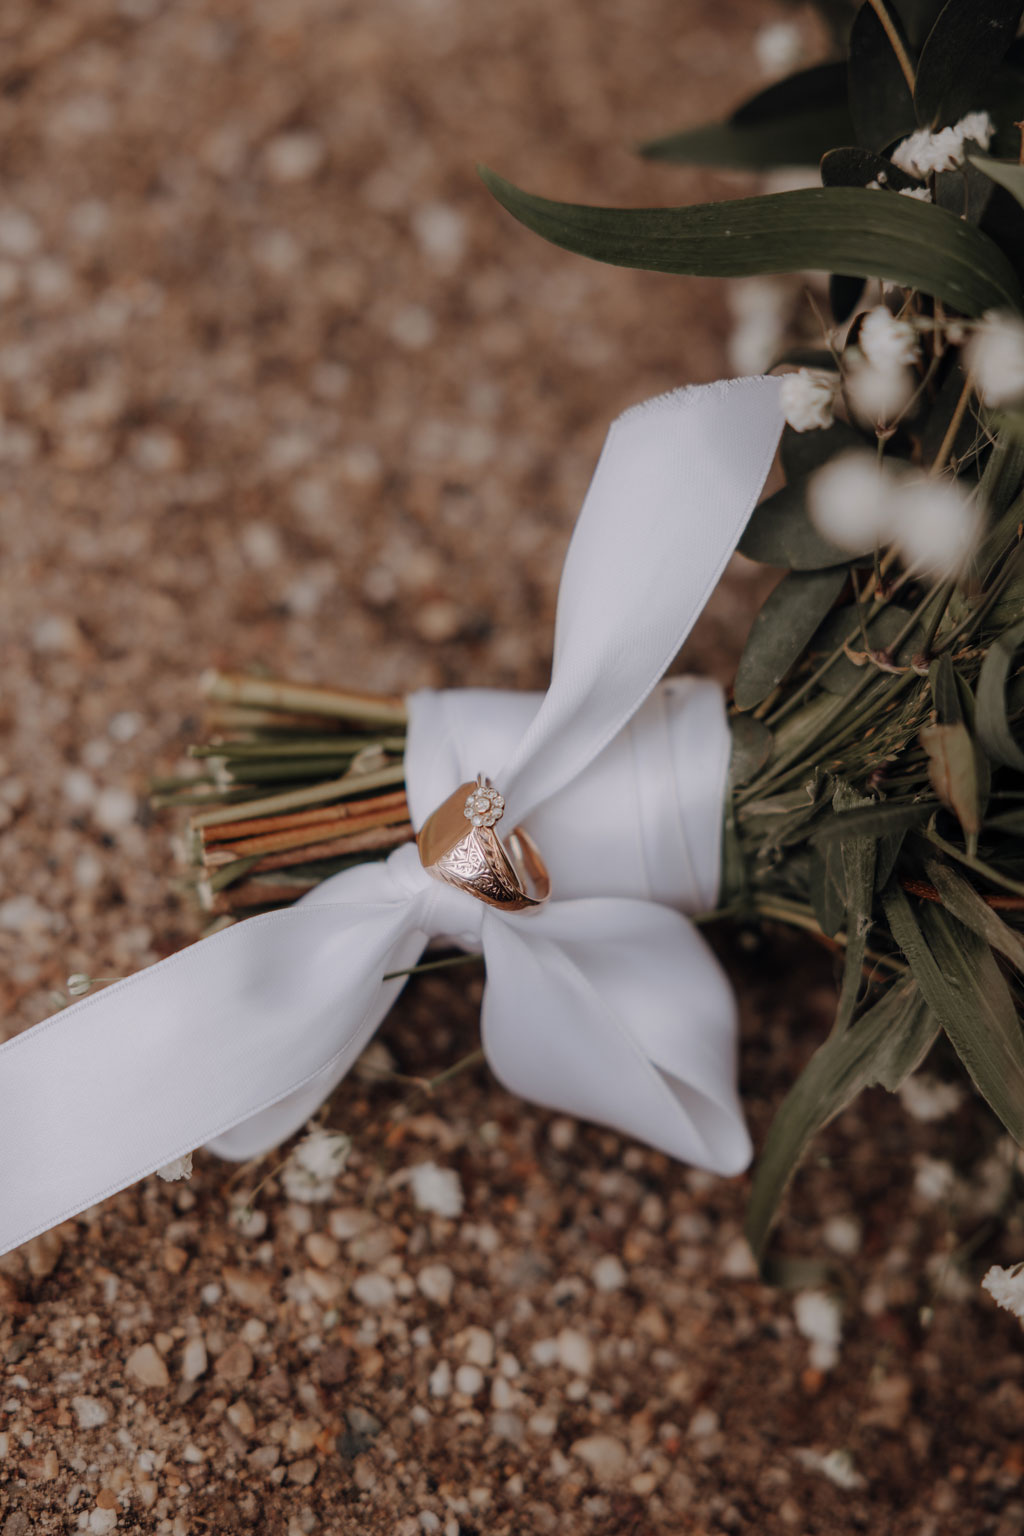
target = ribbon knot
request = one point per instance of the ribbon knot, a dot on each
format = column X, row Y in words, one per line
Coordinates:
column 605, row 1003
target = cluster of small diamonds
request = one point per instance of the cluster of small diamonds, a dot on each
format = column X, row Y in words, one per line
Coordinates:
column 484, row 806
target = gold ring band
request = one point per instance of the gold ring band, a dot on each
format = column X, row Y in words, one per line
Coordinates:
column 474, row 859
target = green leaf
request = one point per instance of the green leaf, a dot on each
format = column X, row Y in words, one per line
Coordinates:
column 855, row 167
column 959, row 56
column 1006, row 173
column 880, row 819
column 953, row 772
column 786, row 621
column 990, row 719
column 918, row 17
column 961, row 899
column 945, row 694
column 780, row 532
column 833, row 229
column 965, row 989
column 792, row 122
column 858, row 856
column 898, row 1030
column 751, row 748
column 880, row 100
column 883, row 630
column 828, row 887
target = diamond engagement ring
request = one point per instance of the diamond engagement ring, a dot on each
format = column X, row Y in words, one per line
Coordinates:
column 474, row 859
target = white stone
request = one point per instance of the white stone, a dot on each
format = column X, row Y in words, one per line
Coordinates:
column 90, row 1412
column 478, row 1346
column 373, row 1290
column 193, row 1359
column 606, row 1457
column 294, row 156
column 469, row 1380
column 575, row 1352
column 114, row 809
column 101, row 1521
column 436, row 1189
column 608, row 1273
column 440, row 232
column 440, row 1382
column 435, row 1282
column 147, row 1366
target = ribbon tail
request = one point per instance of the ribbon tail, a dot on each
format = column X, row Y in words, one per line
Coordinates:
column 673, row 490
column 233, row 1041
column 616, row 1011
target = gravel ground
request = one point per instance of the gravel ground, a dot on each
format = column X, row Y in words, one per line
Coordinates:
column 280, row 385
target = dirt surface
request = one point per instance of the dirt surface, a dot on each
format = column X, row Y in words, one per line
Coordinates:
column 281, row 385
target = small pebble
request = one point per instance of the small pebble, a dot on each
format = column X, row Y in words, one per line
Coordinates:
column 436, row 1189
column 606, row 1457
column 373, row 1290
column 90, row 1412
column 323, row 1250
column 575, row 1352
column 608, row 1273
column 435, row 1282
column 147, row 1366
column 236, row 1363
column 469, row 1380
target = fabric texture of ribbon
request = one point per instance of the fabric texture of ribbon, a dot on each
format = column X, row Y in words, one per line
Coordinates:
column 604, row 1003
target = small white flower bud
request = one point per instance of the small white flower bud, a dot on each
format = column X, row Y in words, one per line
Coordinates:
column 995, row 355
column 1006, row 1287
column 887, row 342
column 935, row 526
column 78, row 984
column 180, row 1168
column 808, row 397
column 878, row 393
column 848, row 499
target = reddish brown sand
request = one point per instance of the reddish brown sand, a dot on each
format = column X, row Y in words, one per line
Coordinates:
column 281, row 385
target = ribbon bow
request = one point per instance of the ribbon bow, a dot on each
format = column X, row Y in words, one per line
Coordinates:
column 605, row 1003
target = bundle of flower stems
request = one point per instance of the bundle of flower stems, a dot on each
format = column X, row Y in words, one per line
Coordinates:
column 293, row 784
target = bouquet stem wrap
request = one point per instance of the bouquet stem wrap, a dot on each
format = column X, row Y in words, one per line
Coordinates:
column 605, row 1003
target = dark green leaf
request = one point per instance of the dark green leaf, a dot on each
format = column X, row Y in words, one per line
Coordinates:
column 965, row 192
column 953, row 772
column 802, row 452
column 781, row 630
column 898, row 1026
column 880, row 100
column 855, row 167
column 880, row 819
column 961, row 52
column 751, row 748
column 963, row 986
column 883, row 630
column 990, row 720
column 858, row 856
column 961, row 899
column 828, row 888
column 918, row 18
column 792, row 122
column 945, row 694
column 780, row 532
column 833, row 229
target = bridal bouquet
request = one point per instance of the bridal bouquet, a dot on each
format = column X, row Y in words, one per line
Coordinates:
column 876, row 789
column 865, row 784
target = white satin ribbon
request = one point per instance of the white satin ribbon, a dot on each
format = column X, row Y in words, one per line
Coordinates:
column 604, row 1003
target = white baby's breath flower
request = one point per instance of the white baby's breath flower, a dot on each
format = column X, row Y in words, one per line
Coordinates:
column 878, row 393
column 848, row 500
column 1006, row 1287
column 180, row 1168
column 314, row 1164
column 78, row 984
column 928, row 1098
column 935, row 526
column 808, row 397
column 887, row 342
column 978, row 127
column 995, row 355
column 819, row 1319
column 922, row 194
column 924, row 152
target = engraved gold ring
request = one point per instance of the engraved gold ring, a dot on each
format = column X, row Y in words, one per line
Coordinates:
column 510, row 876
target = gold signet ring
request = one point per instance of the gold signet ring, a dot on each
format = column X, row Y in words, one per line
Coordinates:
column 458, row 845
